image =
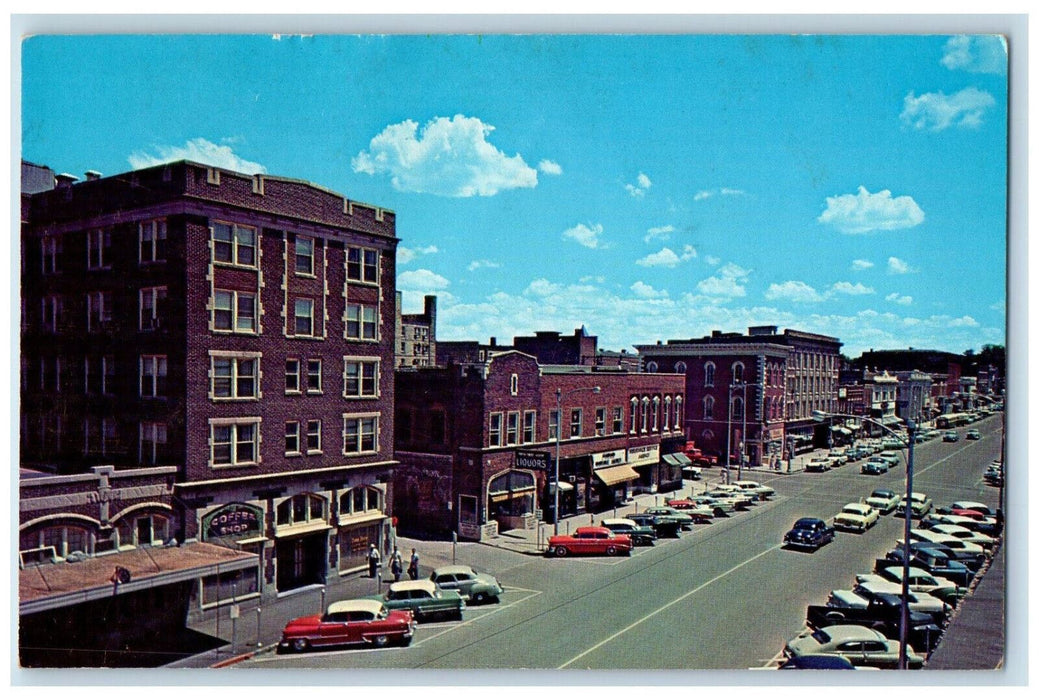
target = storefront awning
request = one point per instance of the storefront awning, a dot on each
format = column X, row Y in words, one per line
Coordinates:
column 890, row 420
column 617, row 475
column 840, row 429
column 683, row 461
column 672, row 460
column 563, row 486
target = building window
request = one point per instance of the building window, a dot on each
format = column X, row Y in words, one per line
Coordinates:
column 234, row 311
column 737, row 372
column 600, row 421
column 514, row 384
column 304, row 317
column 234, row 245
column 494, row 431
column 50, row 374
column 153, row 376
column 360, row 434
column 292, row 437
column 363, row 499
column 530, row 420
column 651, row 367
column 292, row 376
column 99, row 375
column 153, row 308
column 50, row 247
column 708, row 408
column 235, row 377
column 361, row 379
column 50, row 314
column 708, row 374
column 304, row 255
column 576, row 414
column 618, row 419
column 667, row 413
column 313, row 436
column 151, row 237
column 680, row 367
column 645, row 414
column 99, row 310
column 362, row 265
column 678, row 413
column 361, row 322
column 512, row 428
column 153, row 443
column 634, row 414
column 99, row 249
column 737, row 408
column 656, row 414
column 301, row 509
column 313, row 376
column 235, row 442
column 553, row 424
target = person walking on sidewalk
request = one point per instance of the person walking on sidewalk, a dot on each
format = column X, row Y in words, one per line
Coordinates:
column 373, row 560
column 413, row 566
column 396, row 564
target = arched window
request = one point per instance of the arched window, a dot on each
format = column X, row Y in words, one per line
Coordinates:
column 737, row 372
column 679, row 416
column 737, row 408
column 645, row 414
column 142, row 530
column 302, row 508
column 667, row 413
column 656, row 414
column 651, row 366
column 708, row 374
column 708, row 408
column 634, row 414
column 362, row 499
column 514, row 384
column 680, row 367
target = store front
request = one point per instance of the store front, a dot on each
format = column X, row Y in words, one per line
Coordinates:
column 512, row 499
column 301, row 541
column 614, row 477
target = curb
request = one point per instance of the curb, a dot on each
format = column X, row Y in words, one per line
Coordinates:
column 244, row 657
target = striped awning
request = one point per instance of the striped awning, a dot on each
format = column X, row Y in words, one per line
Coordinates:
column 617, row 475
column 683, row 461
column 672, row 460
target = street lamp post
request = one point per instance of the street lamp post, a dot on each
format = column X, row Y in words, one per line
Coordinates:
column 559, row 432
column 728, row 433
column 903, row 627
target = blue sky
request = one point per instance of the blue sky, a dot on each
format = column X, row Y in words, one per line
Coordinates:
column 645, row 187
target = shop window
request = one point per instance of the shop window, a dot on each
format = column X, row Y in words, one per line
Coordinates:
column 362, row 499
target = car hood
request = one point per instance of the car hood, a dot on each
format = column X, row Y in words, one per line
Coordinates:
column 303, row 623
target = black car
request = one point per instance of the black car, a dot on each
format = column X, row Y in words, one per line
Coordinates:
column 640, row 534
column 827, row 662
column 809, row 533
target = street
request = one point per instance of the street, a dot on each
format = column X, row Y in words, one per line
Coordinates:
column 725, row 596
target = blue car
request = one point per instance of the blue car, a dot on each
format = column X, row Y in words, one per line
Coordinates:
column 809, row 533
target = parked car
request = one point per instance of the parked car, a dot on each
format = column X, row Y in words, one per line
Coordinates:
column 892, row 458
column 857, row 517
column 884, row 500
column 809, row 533
column 973, row 434
column 892, row 443
column 970, row 519
column 972, row 559
column 640, row 534
column 662, row 525
column 818, row 464
column 965, row 534
column 698, row 512
column 757, row 489
column 735, row 491
column 974, row 505
column 685, row 519
column 923, row 602
column 589, row 540
column 859, row 645
column 424, row 599
column 823, row 662
column 920, row 506
column 875, row 465
column 940, row 597
column 720, row 506
column 974, row 551
column 950, row 436
column 740, row 500
column 692, row 473
column 933, row 561
column 837, row 457
column 360, row 621
column 920, row 581
column 476, row 588
column 883, row 613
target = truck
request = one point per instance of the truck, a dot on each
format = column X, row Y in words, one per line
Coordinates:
column 883, row 612
column 697, row 457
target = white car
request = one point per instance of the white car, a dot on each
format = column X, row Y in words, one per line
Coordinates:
column 921, row 504
column 964, row 534
column 818, row 464
column 860, row 645
column 948, row 540
column 922, row 602
column 838, row 457
column 884, row 500
column 857, row 517
column 981, row 523
column 753, row 487
column 920, row 581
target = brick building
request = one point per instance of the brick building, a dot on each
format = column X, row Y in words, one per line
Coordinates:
column 238, row 328
column 477, row 442
column 417, row 334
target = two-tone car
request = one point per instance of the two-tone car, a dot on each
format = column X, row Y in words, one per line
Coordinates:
column 973, row 434
column 641, row 535
column 808, row 533
column 476, row 587
column 589, row 540
column 920, row 504
column 424, row 599
column 967, row 535
column 663, row 526
column 860, row 645
column 856, row 517
column 755, row 488
column 687, row 521
column 950, row 436
column 699, row 512
column 818, row 464
column 358, row 621
column 874, row 465
column 884, row 500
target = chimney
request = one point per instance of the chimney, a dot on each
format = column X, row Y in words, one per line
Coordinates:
column 92, row 175
column 65, row 179
column 494, row 341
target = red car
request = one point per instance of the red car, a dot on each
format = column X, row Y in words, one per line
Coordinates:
column 589, row 540
column 349, row 622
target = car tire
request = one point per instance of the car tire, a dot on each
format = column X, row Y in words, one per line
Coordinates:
column 378, row 640
column 300, row 645
column 561, row 551
column 481, row 598
column 611, row 551
column 405, row 641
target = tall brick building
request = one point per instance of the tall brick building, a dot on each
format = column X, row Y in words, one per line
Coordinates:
column 239, row 328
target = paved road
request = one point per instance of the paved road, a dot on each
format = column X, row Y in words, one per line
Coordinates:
column 725, row 596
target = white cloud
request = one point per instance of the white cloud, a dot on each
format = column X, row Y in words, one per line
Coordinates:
column 406, row 255
column 794, row 291
column 421, row 280
column 543, row 288
column 976, row 54
column 550, row 167
column 449, row 157
column 865, row 212
column 199, row 150
column 963, row 322
column 667, row 257
column 729, row 282
column 479, row 264
column 732, row 271
column 935, row 111
column 854, row 289
column 661, row 232
column 723, row 191
column 897, row 266
column 712, row 260
column 861, row 264
column 639, row 189
column 641, row 290
column 897, row 298
column 588, row 236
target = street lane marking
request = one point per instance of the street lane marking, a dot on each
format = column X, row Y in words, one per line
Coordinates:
column 468, row 621
column 666, row 606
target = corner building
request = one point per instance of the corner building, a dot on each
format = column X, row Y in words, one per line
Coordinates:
column 238, row 328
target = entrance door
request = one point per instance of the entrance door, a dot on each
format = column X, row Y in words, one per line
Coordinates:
column 301, row 561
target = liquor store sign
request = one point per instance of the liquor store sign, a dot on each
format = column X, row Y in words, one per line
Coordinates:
column 233, row 520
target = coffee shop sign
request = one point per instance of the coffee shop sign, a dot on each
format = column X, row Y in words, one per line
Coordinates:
column 234, row 519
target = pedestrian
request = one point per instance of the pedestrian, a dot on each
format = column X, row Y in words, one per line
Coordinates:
column 396, row 564
column 373, row 560
column 413, row 566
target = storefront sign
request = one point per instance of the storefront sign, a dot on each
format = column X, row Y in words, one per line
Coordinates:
column 649, row 454
column 526, row 459
column 233, row 520
column 607, row 459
